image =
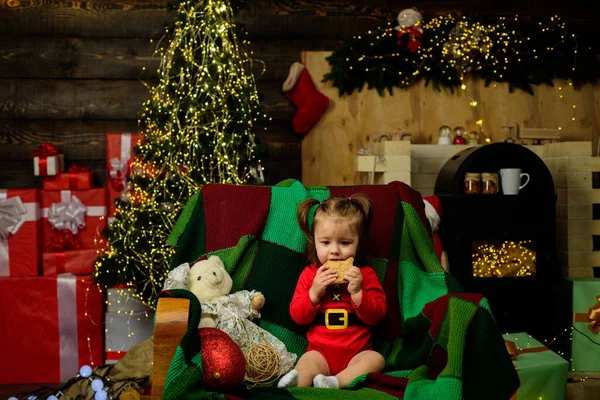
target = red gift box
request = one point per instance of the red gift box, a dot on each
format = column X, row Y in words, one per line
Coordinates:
column 20, row 232
column 76, row 178
column 49, row 328
column 78, row 262
column 119, row 154
column 47, row 160
column 81, row 213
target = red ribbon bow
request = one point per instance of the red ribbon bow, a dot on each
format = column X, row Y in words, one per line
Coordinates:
column 76, row 169
column 67, row 242
column 45, row 150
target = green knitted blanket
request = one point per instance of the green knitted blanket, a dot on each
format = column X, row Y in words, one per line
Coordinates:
column 438, row 342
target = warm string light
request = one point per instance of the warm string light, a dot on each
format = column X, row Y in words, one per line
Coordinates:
column 509, row 259
column 197, row 128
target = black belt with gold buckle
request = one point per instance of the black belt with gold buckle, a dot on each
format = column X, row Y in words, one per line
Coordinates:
column 337, row 318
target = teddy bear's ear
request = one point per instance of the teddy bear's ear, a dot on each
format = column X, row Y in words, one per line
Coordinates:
column 217, row 260
column 177, row 278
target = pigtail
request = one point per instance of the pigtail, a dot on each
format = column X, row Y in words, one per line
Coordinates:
column 362, row 201
column 302, row 215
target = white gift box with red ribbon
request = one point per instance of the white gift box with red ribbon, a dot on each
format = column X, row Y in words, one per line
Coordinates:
column 128, row 322
column 20, row 232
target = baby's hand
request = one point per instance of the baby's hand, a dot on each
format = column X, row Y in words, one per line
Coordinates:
column 323, row 278
column 355, row 280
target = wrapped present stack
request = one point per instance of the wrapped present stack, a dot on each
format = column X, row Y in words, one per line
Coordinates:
column 52, row 312
column 119, row 155
column 128, row 322
column 385, row 161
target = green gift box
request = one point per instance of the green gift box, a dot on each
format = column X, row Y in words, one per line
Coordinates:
column 585, row 343
column 543, row 373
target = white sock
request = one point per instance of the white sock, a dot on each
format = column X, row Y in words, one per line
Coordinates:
column 289, row 380
column 329, row 382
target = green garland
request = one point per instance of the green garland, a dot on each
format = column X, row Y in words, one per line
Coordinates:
column 522, row 54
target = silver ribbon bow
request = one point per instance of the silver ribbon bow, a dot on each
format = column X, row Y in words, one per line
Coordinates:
column 69, row 215
column 118, row 168
column 12, row 213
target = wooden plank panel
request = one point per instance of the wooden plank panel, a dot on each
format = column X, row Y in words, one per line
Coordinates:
column 71, row 99
column 76, row 58
column 275, row 104
column 85, row 139
column 100, row 99
column 262, row 18
column 124, row 58
column 279, row 55
column 111, row 18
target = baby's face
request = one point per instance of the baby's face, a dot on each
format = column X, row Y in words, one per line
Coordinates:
column 334, row 241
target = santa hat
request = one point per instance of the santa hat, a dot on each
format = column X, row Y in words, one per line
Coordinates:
column 433, row 211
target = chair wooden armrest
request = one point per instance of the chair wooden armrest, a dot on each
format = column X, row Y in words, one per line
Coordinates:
column 171, row 325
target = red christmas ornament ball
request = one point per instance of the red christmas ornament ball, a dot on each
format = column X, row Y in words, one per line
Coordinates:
column 223, row 363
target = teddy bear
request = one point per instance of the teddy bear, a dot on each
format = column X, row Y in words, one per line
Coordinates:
column 209, row 281
column 230, row 312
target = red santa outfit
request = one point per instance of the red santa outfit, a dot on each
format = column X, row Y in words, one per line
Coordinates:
column 339, row 344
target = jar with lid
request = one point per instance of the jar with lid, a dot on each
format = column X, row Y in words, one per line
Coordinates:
column 472, row 183
column 489, row 183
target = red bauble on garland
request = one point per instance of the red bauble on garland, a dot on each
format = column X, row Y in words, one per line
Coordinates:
column 223, row 363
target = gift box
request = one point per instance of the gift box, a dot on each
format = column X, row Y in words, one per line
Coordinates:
column 543, row 373
column 20, row 232
column 119, row 154
column 585, row 339
column 81, row 213
column 128, row 322
column 77, row 262
column 123, row 331
column 76, row 178
column 49, row 328
column 47, row 161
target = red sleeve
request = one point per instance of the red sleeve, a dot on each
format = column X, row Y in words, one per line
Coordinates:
column 373, row 305
column 301, row 308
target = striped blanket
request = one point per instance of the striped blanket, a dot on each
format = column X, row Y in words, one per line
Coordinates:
column 438, row 342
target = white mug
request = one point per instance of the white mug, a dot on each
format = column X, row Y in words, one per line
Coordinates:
column 511, row 180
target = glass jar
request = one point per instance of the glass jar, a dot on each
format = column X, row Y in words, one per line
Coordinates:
column 472, row 183
column 489, row 183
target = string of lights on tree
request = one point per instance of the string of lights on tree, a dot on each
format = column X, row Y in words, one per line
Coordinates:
column 197, row 128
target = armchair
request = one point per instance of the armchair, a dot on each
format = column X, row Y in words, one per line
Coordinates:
column 437, row 340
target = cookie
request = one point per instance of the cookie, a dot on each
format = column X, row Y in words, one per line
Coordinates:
column 340, row 266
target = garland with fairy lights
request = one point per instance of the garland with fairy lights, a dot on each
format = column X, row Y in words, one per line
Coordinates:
column 196, row 128
column 446, row 48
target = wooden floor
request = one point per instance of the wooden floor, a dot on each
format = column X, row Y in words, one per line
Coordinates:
column 7, row 391
column 588, row 390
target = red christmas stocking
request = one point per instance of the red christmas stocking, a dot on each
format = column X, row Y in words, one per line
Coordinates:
column 300, row 89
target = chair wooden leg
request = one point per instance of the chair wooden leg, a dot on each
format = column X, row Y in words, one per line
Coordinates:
column 171, row 325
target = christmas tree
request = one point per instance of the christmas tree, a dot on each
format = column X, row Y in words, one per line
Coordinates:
column 197, row 128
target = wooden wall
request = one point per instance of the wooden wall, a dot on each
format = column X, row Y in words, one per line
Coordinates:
column 72, row 71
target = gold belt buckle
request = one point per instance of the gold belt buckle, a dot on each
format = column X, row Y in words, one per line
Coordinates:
column 343, row 318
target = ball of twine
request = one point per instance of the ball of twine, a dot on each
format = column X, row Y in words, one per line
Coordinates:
column 263, row 363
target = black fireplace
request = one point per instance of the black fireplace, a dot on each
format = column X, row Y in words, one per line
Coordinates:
column 504, row 246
